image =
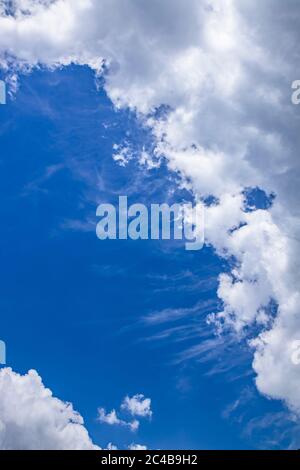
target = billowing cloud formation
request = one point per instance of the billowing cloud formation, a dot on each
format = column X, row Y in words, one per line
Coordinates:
column 223, row 69
column 32, row 419
column 137, row 405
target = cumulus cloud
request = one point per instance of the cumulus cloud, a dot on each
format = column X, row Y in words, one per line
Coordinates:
column 112, row 419
column 137, row 405
column 111, row 446
column 217, row 68
column 32, row 419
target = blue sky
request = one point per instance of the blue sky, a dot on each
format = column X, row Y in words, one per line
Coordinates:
column 75, row 308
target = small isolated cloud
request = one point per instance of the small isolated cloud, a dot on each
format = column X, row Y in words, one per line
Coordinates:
column 137, row 447
column 122, row 154
column 134, row 425
column 138, row 405
column 112, row 419
column 108, row 418
column 31, row 418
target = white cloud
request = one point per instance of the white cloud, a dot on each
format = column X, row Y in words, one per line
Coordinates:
column 111, row 446
column 231, row 125
column 32, row 419
column 112, row 419
column 108, row 418
column 122, row 154
column 137, row 405
column 137, row 447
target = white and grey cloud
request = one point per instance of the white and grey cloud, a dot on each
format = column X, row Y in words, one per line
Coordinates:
column 137, row 405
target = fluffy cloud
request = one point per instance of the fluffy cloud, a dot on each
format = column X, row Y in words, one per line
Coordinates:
column 112, row 419
column 218, row 67
column 138, row 405
column 137, row 447
column 32, row 419
column 111, row 446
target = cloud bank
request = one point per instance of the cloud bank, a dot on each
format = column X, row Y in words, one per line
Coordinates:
column 223, row 69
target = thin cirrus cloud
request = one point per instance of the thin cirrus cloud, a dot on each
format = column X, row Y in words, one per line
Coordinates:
column 217, row 66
